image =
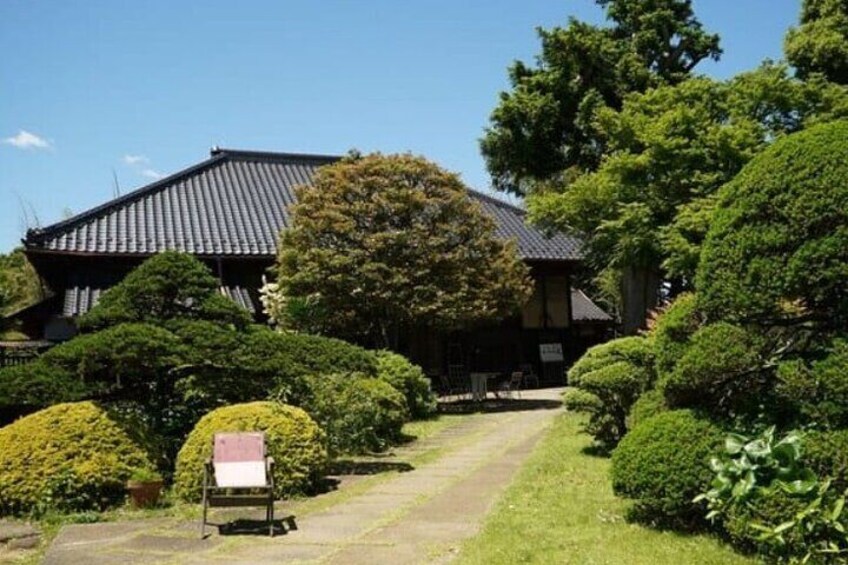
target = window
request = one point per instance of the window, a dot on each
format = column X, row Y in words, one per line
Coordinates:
column 548, row 307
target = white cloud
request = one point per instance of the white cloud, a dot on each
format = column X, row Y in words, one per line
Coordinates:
column 152, row 174
column 27, row 140
column 135, row 159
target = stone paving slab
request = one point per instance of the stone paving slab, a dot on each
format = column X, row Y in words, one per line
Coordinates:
column 418, row 516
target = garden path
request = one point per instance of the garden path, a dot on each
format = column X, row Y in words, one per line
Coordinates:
column 421, row 515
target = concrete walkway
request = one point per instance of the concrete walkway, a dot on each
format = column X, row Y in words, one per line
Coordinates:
column 418, row 516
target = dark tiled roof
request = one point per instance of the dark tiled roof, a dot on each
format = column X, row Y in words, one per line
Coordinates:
column 79, row 299
column 584, row 310
column 235, row 204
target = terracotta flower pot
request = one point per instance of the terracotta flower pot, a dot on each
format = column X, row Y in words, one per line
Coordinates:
column 144, row 493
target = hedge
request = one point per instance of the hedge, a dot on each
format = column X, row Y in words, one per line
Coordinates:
column 819, row 390
column 293, row 439
column 672, row 331
column 69, row 457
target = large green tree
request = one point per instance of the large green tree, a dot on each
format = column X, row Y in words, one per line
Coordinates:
column 647, row 207
column 544, row 126
column 820, row 43
column 382, row 242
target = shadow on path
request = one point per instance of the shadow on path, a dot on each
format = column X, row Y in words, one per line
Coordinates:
column 498, row 405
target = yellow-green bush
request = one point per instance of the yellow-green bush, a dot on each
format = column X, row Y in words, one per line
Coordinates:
column 292, row 438
column 67, row 457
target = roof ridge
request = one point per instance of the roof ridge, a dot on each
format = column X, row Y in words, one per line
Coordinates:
column 497, row 201
column 35, row 234
column 272, row 155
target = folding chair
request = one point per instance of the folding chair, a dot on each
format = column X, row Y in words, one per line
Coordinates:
column 240, row 473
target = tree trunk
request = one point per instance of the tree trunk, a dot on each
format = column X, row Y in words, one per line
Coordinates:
column 639, row 294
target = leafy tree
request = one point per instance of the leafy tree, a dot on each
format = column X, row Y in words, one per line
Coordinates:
column 385, row 242
column 19, row 284
column 820, row 43
column 649, row 204
column 168, row 285
column 543, row 126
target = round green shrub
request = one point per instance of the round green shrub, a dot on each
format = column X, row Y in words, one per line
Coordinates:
column 69, row 457
column 409, row 380
column 778, row 242
column 826, row 454
column 663, row 463
column 672, row 330
column 579, row 400
column 819, row 391
column 292, row 438
column 615, row 374
column 360, row 414
column 719, row 372
column 648, row 405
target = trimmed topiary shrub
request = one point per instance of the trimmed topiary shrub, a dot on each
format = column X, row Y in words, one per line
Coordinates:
column 408, row 379
column 169, row 285
column 360, row 414
column 777, row 246
column 636, row 350
column 69, row 457
column 663, row 463
column 720, row 372
column 819, row 391
column 610, row 377
column 648, row 405
column 672, row 330
column 293, row 439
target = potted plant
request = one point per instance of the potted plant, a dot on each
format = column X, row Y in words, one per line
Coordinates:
column 144, row 486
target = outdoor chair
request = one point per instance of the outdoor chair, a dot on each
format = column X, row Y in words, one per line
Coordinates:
column 513, row 385
column 239, row 473
column 529, row 375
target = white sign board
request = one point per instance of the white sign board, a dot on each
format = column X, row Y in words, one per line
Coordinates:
column 551, row 352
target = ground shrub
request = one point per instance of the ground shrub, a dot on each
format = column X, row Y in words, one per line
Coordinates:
column 409, row 380
column 819, row 391
column 292, row 438
column 69, row 457
column 777, row 246
column 768, row 509
column 720, row 371
column 360, row 414
column 826, row 454
column 648, row 405
column 663, row 464
column 614, row 374
column 672, row 330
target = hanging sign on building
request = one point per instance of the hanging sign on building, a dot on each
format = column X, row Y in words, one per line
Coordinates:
column 551, row 352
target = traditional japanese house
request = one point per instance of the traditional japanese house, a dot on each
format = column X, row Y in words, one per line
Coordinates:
column 228, row 211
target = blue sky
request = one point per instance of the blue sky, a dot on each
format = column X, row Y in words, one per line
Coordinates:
column 146, row 88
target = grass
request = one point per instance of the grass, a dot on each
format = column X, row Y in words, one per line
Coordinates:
column 561, row 509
